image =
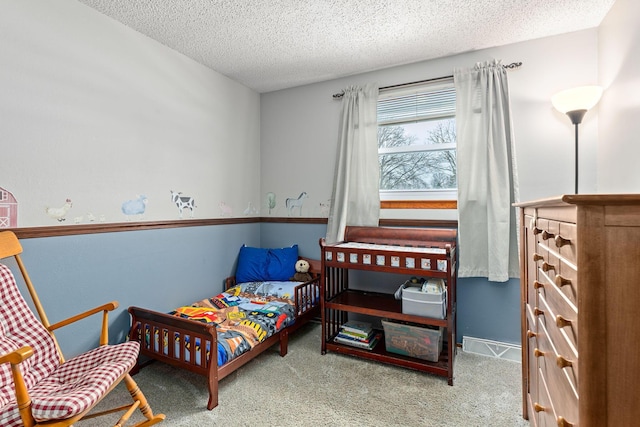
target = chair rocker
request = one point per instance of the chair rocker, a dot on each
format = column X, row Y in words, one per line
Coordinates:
column 37, row 386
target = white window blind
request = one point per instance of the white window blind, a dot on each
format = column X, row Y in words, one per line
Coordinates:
column 417, row 103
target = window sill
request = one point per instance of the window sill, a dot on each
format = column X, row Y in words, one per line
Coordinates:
column 418, row 204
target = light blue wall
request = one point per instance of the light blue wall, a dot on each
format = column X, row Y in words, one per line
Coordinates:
column 164, row 268
column 306, row 236
column 157, row 269
column 489, row 310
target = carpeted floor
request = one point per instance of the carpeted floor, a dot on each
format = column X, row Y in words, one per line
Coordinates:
column 306, row 388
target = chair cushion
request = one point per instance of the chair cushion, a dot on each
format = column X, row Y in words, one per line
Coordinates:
column 77, row 384
column 57, row 391
column 81, row 382
column 18, row 328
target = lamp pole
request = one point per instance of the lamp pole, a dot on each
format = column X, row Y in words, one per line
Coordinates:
column 576, row 168
column 576, row 118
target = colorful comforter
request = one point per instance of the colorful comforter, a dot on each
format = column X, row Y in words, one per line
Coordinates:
column 244, row 315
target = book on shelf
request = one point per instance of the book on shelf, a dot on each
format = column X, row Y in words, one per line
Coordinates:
column 359, row 344
column 356, row 327
column 356, row 337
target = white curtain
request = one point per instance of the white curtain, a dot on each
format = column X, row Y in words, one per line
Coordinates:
column 356, row 195
column 487, row 176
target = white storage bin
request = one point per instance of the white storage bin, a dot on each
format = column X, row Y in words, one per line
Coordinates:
column 419, row 303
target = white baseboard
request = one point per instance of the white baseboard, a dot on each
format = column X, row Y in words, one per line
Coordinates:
column 499, row 350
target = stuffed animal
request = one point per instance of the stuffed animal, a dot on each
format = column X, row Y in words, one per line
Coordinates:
column 302, row 271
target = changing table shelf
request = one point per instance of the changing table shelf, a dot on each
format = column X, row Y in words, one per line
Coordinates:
column 376, row 304
column 380, row 354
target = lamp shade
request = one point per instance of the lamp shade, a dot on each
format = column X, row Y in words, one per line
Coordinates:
column 579, row 98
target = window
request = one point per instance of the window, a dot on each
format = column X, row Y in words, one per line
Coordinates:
column 417, row 142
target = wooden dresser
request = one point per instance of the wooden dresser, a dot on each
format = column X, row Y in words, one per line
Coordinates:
column 580, row 279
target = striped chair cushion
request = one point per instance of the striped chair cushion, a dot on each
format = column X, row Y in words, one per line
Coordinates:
column 81, row 382
column 57, row 391
column 18, row 328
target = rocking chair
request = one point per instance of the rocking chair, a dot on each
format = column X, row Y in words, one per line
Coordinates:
column 37, row 386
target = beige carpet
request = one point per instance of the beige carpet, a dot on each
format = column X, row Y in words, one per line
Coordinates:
column 306, row 388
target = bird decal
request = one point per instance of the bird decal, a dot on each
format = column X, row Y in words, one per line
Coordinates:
column 59, row 213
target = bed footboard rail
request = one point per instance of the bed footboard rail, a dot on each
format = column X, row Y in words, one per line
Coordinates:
column 307, row 296
column 180, row 342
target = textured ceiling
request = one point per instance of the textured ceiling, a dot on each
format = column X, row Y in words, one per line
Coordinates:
column 275, row 44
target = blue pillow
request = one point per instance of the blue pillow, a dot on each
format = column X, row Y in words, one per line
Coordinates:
column 282, row 263
column 252, row 264
column 258, row 264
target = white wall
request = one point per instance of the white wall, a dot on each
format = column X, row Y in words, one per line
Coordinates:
column 619, row 66
column 300, row 125
column 93, row 111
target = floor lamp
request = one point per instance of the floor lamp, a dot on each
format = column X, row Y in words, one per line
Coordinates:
column 575, row 103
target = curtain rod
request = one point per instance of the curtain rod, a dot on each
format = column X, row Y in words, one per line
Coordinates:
column 509, row 66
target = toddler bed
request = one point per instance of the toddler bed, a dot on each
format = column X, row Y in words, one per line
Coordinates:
column 216, row 336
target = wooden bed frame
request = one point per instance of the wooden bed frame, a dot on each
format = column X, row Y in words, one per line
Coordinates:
column 171, row 326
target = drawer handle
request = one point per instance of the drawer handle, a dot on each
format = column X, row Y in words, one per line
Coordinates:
column 563, row 423
column 537, row 311
column 537, row 285
column 561, row 241
column 538, row 407
column 546, row 235
column 561, row 322
column 537, row 257
column 546, row 267
column 562, row 281
column 536, row 230
column 562, row 362
column 531, row 334
column 537, row 352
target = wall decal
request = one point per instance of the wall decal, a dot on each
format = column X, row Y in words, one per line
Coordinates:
column 8, row 209
column 225, row 210
column 80, row 219
column 325, row 208
column 183, row 202
column 251, row 210
column 292, row 203
column 135, row 207
column 59, row 213
column 271, row 201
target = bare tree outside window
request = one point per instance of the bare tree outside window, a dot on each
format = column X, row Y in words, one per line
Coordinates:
column 418, row 159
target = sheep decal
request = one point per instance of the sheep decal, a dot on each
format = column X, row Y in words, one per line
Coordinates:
column 135, row 206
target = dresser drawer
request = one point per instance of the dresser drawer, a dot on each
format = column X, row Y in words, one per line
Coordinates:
column 530, row 241
column 566, row 279
column 561, row 320
column 544, row 239
column 530, row 345
column 561, row 382
column 567, row 242
column 532, row 414
column 542, row 408
column 554, row 268
column 567, row 276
